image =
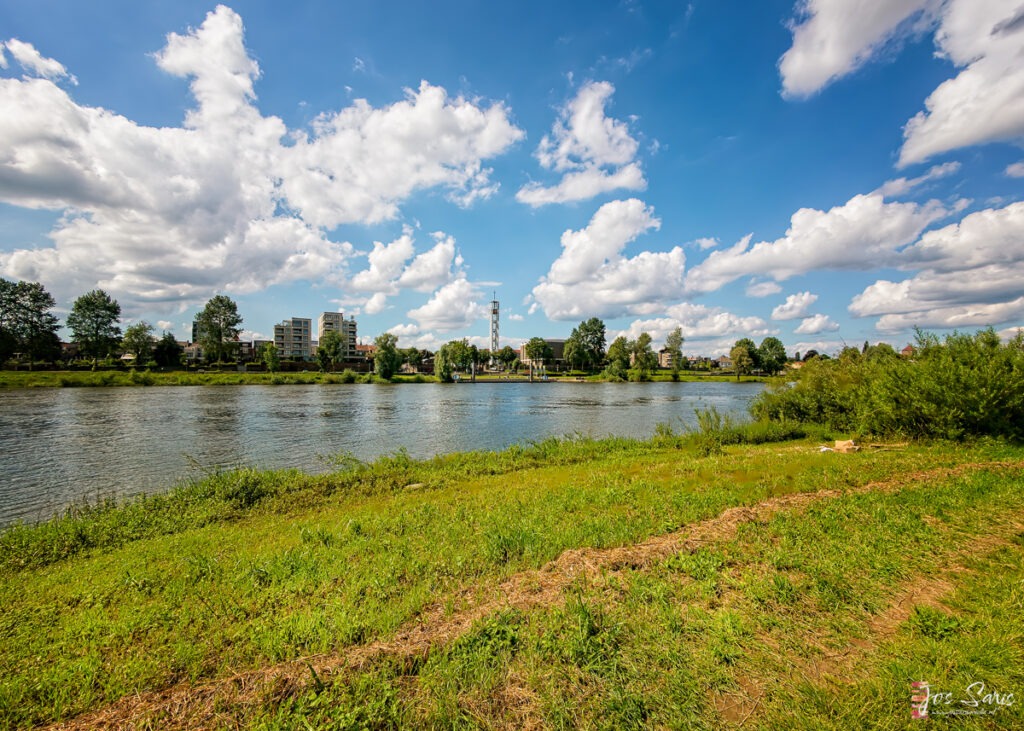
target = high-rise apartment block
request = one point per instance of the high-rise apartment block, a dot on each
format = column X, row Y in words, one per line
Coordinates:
column 294, row 338
column 347, row 328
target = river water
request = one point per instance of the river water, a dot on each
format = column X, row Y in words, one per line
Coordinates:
column 64, row 445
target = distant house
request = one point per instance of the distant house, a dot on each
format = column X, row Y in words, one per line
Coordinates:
column 666, row 358
column 366, row 351
column 723, row 362
column 557, row 357
column 909, row 351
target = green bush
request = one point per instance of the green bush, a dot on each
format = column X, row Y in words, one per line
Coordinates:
column 966, row 385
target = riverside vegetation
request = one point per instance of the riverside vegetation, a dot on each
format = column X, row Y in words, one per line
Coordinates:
column 734, row 575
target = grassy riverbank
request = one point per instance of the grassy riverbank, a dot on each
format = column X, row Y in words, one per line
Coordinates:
column 690, row 580
column 93, row 379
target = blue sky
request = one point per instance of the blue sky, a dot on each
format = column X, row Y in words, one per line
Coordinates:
column 824, row 171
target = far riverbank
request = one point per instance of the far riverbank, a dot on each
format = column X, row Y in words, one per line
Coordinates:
column 119, row 378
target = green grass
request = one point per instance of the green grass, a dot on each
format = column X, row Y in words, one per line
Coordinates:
column 88, row 379
column 246, row 569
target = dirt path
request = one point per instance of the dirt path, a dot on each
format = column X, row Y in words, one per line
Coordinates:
column 200, row 706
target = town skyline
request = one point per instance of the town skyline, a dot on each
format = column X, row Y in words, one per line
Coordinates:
column 803, row 171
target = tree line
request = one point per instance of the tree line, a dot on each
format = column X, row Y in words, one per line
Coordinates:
column 28, row 328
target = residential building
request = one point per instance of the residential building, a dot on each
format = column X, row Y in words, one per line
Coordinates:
column 294, row 338
column 666, row 359
column 336, row 321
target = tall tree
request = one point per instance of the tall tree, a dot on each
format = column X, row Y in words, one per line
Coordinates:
column 537, row 349
column 772, row 355
column 644, row 359
column 386, row 361
column 574, row 353
column 26, row 324
column 443, row 365
column 618, row 358
column 328, row 350
column 507, row 356
column 592, row 338
column 219, row 327
column 167, row 351
column 93, row 324
column 138, row 340
column 742, row 361
column 751, row 351
column 271, row 357
column 674, row 346
column 460, row 355
column 413, row 356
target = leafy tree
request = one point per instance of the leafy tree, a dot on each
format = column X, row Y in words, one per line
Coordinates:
column 167, row 352
column 460, row 355
column 742, row 361
column 507, row 356
column 772, row 355
column 93, row 324
column 26, row 324
column 618, row 358
column 674, row 346
column 592, row 337
column 644, row 359
column 386, row 361
column 443, row 365
column 219, row 326
column 138, row 340
column 537, row 349
column 328, row 350
column 810, row 355
column 752, row 351
column 271, row 358
column 413, row 356
column 484, row 355
column 574, row 353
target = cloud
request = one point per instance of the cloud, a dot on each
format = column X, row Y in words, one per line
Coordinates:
column 165, row 324
column 984, row 102
column 795, row 306
column 699, row 322
column 34, row 62
column 455, row 306
column 592, row 277
column 833, row 38
column 902, row 186
column 862, row 234
column 515, row 318
column 706, row 243
column 761, row 289
column 595, row 153
column 231, row 200
column 816, row 324
column 1015, row 170
column 968, row 274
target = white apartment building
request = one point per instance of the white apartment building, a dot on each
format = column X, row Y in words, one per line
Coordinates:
column 294, row 338
column 336, row 321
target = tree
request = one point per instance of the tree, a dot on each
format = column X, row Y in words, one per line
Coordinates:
column 328, row 350
column 772, row 355
column 413, row 356
column 219, row 328
column 618, row 358
column 574, row 353
column 93, row 324
column 443, row 363
column 643, row 357
column 386, row 361
column 167, row 352
column 26, row 324
column 271, row 358
column 592, row 338
column 742, row 361
column 460, row 355
column 751, row 351
column 138, row 340
column 507, row 356
column 537, row 349
column 674, row 346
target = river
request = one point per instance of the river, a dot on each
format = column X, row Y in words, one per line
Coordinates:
column 64, row 445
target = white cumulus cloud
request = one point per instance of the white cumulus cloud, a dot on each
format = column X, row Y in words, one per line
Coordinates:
column 795, row 306
column 33, row 62
column 816, row 324
column 832, row 38
column 595, row 153
column 593, row 278
column 862, row 234
column 455, row 306
column 231, row 200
